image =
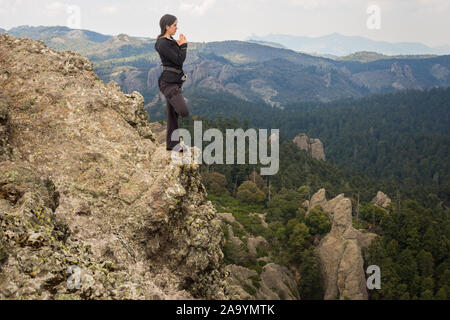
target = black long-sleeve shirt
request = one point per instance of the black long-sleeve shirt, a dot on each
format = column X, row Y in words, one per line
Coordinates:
column 172, row 55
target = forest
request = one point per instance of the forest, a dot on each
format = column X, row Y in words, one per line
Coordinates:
column 400, row 138
column 413, row 246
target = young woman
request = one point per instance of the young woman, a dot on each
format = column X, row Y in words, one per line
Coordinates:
column 173, row 54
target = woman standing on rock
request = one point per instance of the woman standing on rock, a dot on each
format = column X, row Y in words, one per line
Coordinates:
column 173, row 54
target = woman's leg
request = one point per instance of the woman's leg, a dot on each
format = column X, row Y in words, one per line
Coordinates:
column 172, row 125
column 178, row 102
column 176, row 106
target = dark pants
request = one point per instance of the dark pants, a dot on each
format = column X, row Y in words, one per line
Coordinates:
column 176, row 106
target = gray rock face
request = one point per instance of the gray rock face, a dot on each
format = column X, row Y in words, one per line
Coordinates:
column 274, row 283
column 267, row 93
column 227, row 73
column 136, row 223
column 240, row 279
column 277, row 282
column 440, row 72
column 319, row 198
column 4, row 130
column 253, row 243
column 340, row 251
column 39, row 254
column 128, row 78
column 403, row 77
column 153, row 76
column 201, row 72
column 381, row 200
column 314, row 147
column 159, row 130
column 302, row 142
column 317, row 151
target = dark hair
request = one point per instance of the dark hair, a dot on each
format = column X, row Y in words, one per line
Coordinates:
column 166, row 20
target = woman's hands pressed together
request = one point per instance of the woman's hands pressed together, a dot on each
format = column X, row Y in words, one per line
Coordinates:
column 182, row 40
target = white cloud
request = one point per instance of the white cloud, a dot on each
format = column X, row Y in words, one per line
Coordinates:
column 197, row 7
column 54, row 8
column 306, row 4
column 435, row 6
column 110, row 9
column 9, row 6
column 324, row 4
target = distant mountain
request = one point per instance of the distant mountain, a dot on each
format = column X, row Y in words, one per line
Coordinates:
column 270, row 44
column 48, row 33
column 367, row 56
column 63, row 38
column 52, row 32
column 278, row 45
column 445, row 49
column 341, row 45
column 252, row 72
column 60, row 37
column 2, row 30
column 324, row 55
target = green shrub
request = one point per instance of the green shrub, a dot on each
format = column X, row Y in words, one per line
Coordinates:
column 256, row 280
column 250, row 193
column 318, row 221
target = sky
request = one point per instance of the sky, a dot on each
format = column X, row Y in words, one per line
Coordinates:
column 424, row 21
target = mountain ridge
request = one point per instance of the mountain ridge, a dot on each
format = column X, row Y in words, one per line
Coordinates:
column 252, row 71
column 326, row 44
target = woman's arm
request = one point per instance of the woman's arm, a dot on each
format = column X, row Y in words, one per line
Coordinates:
column 172, row 54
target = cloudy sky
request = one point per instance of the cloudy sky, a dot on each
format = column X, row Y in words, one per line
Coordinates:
column 425, row 21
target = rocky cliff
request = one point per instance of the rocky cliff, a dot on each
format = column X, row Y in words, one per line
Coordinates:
column 88, row 194
column 340, row 251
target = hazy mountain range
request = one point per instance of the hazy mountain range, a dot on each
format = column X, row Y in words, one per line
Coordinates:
column 249, row 70
column 340, row 45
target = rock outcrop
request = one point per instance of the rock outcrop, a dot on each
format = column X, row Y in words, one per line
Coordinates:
column 84, row 185
column 129, row 79
column 319, row 198
column 274, row 283
column 340, row 251
column 159, row 131
column 314, row 147
column 381, row 200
